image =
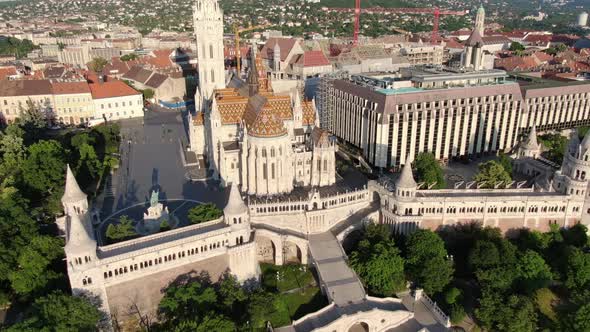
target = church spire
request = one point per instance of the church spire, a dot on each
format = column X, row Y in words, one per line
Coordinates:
column 480, row 20
column 253, row 84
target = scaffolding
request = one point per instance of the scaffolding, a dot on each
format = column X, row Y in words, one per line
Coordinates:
column 323, row 104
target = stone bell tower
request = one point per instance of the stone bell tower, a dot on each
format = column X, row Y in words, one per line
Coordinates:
column 208, row 23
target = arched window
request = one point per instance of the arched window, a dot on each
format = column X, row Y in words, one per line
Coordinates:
column 212, row 76
column 211, row 51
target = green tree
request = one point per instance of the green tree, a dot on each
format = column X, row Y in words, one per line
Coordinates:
column 504, row 160
column 492, row 172
column 190, row 302
column 429, row 171
column 427, row 262
column 262, row 307
column 484, row 255
column 581, row 319
column 43, row 170
column 128, row 57
column 452, row 295
column 89, row 165
column 148, row 93
column 33, row 121
column 231, row 291
column 122, row 231
column 533, row 272
column 17, row 230
column 97, row 64
column 60, row 312
column 213, row 322
column 34, row 273
column 556, row 144
column 18, row 48
column 516, row 46
column 380, row 266
column 164, row 226
column 576, row 236
column 516, row 313
column 204, row 212
column 578, row 269
column 13, row 155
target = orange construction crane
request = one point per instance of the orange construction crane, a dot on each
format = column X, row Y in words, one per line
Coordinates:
column 237, row 32
column 357, row 13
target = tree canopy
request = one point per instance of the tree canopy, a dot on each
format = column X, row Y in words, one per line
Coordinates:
column 60, row 312
column 426, row 261
column 429, row 171
column 492, row 172
column 97, row 64
column 378, row 263
column 204, row 212
column 124, row 230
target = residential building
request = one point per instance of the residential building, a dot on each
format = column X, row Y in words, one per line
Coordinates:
column 14, row 96
column 170, row 87
column 72, row 102
column 116, row 100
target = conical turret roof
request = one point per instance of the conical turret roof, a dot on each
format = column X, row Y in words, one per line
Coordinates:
column 235, row 204
column 78, row 234
column 72, row 192
column 531, row 142
column 406, row 179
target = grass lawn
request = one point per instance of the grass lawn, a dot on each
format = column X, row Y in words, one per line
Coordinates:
column 297, row 293
column 546, row 301
column 291, row 276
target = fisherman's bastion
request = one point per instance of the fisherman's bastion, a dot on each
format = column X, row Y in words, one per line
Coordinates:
column 285, row 201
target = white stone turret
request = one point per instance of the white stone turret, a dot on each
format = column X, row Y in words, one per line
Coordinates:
column 573, row 177
column 405, row 186
column 74, row 199
column 235, row 211
column 208, row 24
column 530, row 147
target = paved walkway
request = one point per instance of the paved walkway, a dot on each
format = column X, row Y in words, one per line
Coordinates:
column 340, row 282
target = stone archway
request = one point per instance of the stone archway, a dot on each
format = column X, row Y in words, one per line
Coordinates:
column 292, row 253
column 266, row 250
column 359, row 327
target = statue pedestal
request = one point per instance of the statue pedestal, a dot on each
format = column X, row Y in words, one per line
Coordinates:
column 154, row 217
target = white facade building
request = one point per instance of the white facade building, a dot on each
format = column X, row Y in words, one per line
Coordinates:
column 115, row 100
